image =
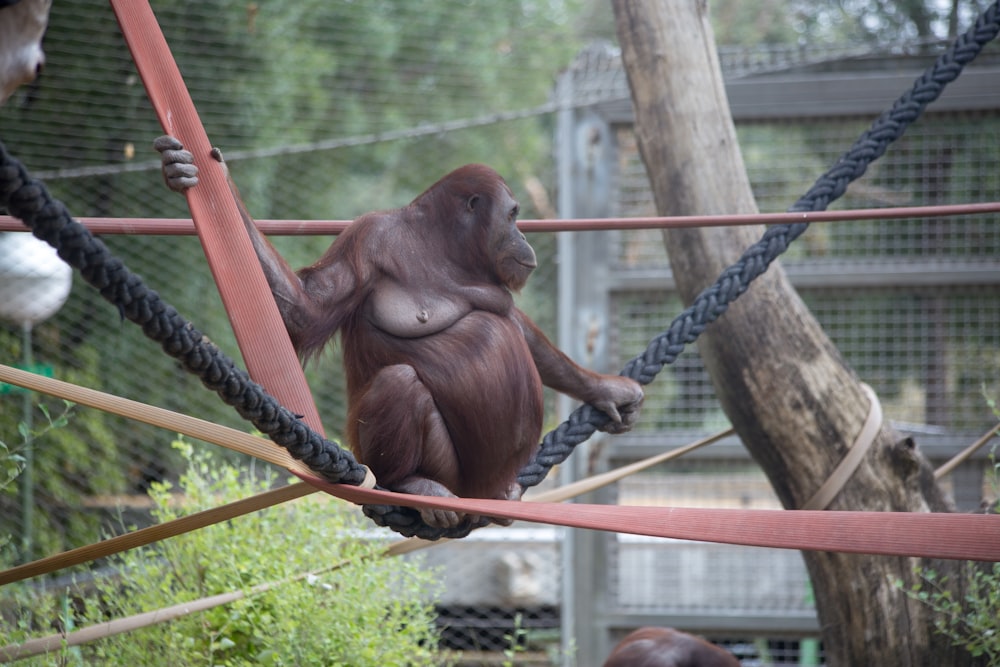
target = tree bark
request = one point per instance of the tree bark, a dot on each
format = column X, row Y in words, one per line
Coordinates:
column 795, row 403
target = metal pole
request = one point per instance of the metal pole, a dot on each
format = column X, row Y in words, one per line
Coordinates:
column 566, row 274
column 28, row 475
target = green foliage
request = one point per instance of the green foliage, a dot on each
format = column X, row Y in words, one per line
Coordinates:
column 514, row 640
column 355, row 608
column 803, row 22
column 269, row 77
column 72, row 460
column 973, row 621
column 12, row 464
column 836, row 21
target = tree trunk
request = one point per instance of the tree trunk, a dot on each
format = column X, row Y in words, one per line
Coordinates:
column 793, row 400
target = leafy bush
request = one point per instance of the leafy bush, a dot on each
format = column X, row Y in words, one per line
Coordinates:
column 972, row 622
column 356, row 608
column 12, row 464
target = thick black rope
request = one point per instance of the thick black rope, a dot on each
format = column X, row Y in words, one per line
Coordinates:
column 49, row 220
column 708, row 306
column 734, row 281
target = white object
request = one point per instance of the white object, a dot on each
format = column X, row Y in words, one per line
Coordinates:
column 34, row 281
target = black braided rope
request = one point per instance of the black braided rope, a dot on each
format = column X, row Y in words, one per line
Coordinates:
column 734, row 281
column 49, row 220
column 28, row 200
column 559, row 443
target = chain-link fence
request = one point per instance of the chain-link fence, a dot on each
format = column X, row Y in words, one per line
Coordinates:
column 911, row 305
column 324, row 110
column 327, row 110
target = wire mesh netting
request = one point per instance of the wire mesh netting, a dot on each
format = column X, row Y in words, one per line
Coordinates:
column 327, row 110
column 323, row 111
column 911, row 304
column 927, row 345
column 931, row 355
column 943, row 158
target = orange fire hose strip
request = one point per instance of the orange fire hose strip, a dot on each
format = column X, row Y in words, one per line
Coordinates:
column 952, row 536
column 854, row 532
column 967, row 537
column 258, row 328
column 118, row 626
column 231, row 254
column 246, row 444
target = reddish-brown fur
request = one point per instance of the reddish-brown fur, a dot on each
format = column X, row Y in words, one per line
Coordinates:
column 666, row 647
column 444, row 373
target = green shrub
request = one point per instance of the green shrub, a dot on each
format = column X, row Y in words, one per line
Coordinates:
column 12, row 464
column 973, row 622
column 371, row 611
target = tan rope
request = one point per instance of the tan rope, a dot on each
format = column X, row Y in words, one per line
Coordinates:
column 838, row 478
column 579, row 487
column 150, row 414
column 201, row 429
column 959, row 458
column 40, row 645
column 190, row 426
column 144, row 536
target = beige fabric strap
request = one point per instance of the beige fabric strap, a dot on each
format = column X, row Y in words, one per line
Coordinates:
column 230, row 438
column 595, row 482
column 118, row 626
column 959, row 458
column 577, row 488
column 838, row 478
column 144, row 536
column 52, row 642
column 190, row 426
column 150, row 414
